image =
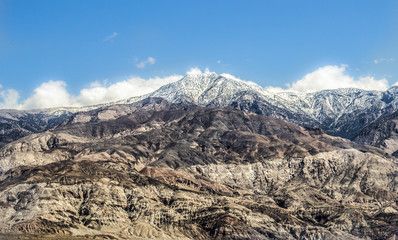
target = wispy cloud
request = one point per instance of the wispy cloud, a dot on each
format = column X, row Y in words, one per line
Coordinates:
column 380, row 60
column 143, row 64
column 113, row 35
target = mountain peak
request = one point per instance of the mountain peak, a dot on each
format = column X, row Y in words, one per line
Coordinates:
column 204, row 88
column 197, row 77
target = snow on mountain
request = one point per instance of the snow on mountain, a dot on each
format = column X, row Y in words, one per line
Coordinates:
column 339, row 112
column 207, row 88
column 204, row 89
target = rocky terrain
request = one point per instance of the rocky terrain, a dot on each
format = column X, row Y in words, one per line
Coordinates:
column 382, row 133
column 160, row 170
column 16, row 124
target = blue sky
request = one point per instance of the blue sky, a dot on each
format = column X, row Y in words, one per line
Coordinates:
column 272, row 43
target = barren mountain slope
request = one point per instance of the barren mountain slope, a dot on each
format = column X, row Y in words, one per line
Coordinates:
column 158, row 170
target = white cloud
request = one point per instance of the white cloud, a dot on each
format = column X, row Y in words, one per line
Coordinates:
column 379, row 60
column 135, row 86
column 219, row 61
column 333, row 77
column 149, row 61
column 9, row 98
column 54, row 93
column 113, row 35
column 327, row 77
column 49, row 94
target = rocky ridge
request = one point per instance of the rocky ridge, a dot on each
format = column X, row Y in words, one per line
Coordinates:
column 15, row 124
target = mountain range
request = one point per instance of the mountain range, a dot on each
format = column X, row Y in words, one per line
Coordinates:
column 340, row 112
column 206, row 157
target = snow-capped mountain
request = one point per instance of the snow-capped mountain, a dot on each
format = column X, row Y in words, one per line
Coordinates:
column 339, row 112
column 205, row 89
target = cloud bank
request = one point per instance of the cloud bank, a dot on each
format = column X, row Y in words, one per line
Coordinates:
column 135, row 86
column 333, row 77
column 55, row 94
column 8, row 99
